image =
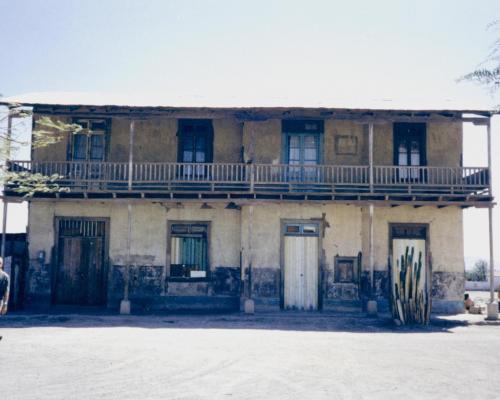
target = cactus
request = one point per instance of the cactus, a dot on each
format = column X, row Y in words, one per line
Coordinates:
column 410, row 294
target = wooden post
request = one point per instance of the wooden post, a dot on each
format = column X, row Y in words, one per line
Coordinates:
column 250, row 250
column 249, row 304
column 129, row 206
column 129, row 240
column 490, row 216
column 370, row 153
column 131, row 154
column 125, row 304
column 5, row 202
column 252, row 178
column 371, row 305
column 371, row 250
column 492, row 307
column 492, row 261
column 4, row 228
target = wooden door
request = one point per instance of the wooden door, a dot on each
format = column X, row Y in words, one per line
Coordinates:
column 303, row 156
column 409, row 149
column 300, row 272
column 80, row 278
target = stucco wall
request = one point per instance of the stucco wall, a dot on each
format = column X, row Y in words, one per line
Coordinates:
column 445, row 234
column 56, row 151
column 266, row 147
column 345, row 234
column 342, row 237
column 334, row 130
column 444, row 144
column 445, row 246
column 156, row 141
column 149, row 229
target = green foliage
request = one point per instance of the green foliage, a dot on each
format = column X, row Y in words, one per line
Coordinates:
column 479, row 273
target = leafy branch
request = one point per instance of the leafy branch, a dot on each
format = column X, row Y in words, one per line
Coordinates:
column 47, row 131
column 487, row 73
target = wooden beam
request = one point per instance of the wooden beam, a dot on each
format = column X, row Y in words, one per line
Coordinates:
column 371, row 249
column 5, row 202
column 370, row 154
column 492, row 260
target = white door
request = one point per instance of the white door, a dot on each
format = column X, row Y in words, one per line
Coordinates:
column 301, row 272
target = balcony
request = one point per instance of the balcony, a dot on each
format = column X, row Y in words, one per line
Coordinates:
column 396, row 184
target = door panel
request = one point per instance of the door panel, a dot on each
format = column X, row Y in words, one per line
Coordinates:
column 409, row 149
column 94, row 249
column 303, row 150
column 70, row 282
column 301, row 272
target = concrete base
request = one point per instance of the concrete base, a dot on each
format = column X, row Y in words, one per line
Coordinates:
column 249, row 306
column 371, row 308
column 125, row 307
column 492, row 311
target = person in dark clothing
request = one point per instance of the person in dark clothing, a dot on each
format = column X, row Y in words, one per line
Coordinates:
column 4, row 289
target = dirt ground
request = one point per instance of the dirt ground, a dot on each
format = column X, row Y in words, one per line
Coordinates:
column 267, row 356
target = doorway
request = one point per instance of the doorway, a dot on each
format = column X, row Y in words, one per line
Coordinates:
column 300, row 266
column 80, row 276
column 410, row 149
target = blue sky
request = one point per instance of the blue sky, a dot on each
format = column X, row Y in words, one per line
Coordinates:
column 255, row 49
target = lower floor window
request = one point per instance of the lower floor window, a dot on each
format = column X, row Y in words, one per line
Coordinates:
column 189, row 250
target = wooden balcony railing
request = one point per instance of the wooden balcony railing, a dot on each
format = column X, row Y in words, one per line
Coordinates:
column 111, row 177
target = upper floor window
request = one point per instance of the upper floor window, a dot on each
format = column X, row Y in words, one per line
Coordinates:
column 90, row 143
column 302, row 141
column 195, row 141
column 409, row 144
column 302, row 147
column 409, row 148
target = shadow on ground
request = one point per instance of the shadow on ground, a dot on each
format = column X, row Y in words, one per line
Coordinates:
column 285, row 321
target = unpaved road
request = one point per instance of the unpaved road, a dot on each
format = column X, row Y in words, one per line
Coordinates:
column 282, row 356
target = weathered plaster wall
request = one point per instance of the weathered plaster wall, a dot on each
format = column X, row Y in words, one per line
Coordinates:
column 263, row 226
column 445, row 244
column 445, row 227
column 53, row 152
column 382, row 144
column 228, row 140
column 346, row 234
column 148, row 249
column 266, row 147
column 156, row 141
column 334, row 129
column 444, row 144
column 342, row 237
column 149, row 229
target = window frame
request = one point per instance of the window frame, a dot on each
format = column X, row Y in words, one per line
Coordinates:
column 105, row 134
column 291, row 127
column 419, row 132
column 168, row 277
column 182, row 133
column 355, row 269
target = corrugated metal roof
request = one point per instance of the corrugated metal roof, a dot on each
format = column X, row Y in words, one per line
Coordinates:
column 168, row 101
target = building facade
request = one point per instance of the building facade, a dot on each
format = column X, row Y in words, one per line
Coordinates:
column 184, row 208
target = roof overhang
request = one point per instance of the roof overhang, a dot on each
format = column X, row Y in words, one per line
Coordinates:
column 70, row 102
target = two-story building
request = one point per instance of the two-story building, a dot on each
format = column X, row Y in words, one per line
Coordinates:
column 197, row 206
